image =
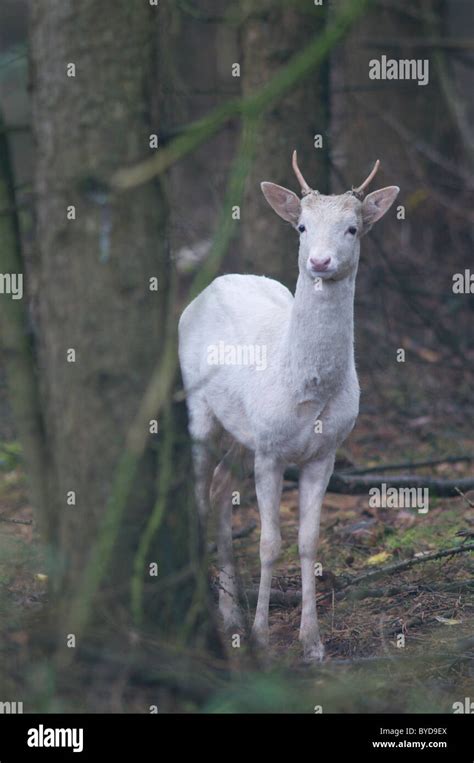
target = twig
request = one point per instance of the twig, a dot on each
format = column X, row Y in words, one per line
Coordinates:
column 16, row 521
column 409, row 465
column 376, row 593
column 466, row 499
column 391, row 569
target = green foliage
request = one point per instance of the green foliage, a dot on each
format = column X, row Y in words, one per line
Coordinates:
column 437, row 534
column 392, row 685
column 10, row 455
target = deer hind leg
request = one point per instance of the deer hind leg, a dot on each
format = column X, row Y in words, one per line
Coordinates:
column 268, row 484
column 205, row 431
column 224, row 483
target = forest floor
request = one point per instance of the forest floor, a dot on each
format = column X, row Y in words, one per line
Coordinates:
column 404, row 642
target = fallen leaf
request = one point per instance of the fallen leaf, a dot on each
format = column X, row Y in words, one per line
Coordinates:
column 447, row 620
column 378, row 558
column 429, row 355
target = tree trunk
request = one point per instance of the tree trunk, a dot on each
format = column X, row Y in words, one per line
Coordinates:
column 404, row 125
column 95, row 302
column 196, row 52
column 272, row 33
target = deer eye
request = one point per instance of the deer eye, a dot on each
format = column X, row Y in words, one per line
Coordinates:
column 301, row 228
column 352, row 230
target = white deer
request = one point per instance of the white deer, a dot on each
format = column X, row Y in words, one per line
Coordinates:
column 298, row 406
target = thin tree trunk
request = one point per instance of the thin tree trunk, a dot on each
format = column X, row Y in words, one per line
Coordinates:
column 272, row 33
column 15, row 341
column 196, row 52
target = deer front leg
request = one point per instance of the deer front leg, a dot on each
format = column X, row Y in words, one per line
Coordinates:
column 314, row 478
column 268, row 484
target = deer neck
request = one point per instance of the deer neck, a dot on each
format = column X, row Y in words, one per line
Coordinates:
column 320, row 339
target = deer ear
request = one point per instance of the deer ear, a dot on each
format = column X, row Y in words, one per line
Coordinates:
column 284, row 202
column 376, row 204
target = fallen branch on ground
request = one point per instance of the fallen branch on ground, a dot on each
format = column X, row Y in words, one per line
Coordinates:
column 16, row 521
column 293, row 598
column 350, row 484
column 390, row 569
column 366, row 593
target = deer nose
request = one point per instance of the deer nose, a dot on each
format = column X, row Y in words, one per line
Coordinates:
column 320, row 265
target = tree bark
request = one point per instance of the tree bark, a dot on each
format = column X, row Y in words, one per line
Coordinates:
column 95, row 299
column 15, row 338
column 272, row 33
column 196, row 52
column 408, row 128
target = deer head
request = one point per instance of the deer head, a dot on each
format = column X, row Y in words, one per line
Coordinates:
column 330, row 227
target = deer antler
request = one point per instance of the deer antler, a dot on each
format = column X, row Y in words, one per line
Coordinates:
column 304, row 185
column 368, row 179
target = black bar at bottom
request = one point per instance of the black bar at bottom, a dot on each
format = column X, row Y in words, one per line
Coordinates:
column 158, row 737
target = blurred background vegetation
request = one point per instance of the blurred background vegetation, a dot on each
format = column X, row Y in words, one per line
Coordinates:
column 82, row 569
